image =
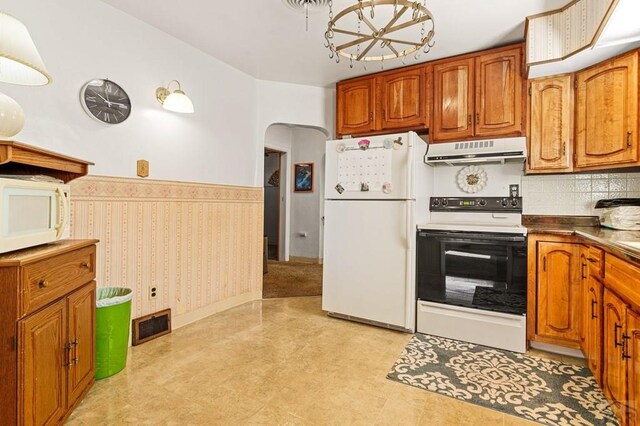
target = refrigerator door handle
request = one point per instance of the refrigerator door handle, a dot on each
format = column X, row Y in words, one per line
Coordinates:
column 409, row 263
column 410, row 147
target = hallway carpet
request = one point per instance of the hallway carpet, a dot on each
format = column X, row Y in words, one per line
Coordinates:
column 292, row 279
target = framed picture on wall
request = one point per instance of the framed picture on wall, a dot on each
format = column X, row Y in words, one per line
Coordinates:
column 303, row 177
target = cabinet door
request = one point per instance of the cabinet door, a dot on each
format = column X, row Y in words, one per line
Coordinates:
column 559, row 292
column 593, row 333
column 584, row 296
column 551, row 124
column 607, row 114
column 633, row 366
column 499, row 90
column 81, row 308
column 356, row 106
column 41, row 366
column 453, row 100
column 614, row 378
column 403, row 99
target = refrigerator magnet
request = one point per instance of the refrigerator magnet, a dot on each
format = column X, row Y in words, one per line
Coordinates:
column 386, row 188
column 364, row 144
column 339, row 188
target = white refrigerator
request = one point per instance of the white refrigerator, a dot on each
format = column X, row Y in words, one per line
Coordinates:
column 376, row 189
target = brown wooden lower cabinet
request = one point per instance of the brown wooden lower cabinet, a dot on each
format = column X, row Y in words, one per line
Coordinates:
column 633, row 366
column 614, row 378
column 47, row 313
column 608, row 307
column 592, row 323
column 557, row 293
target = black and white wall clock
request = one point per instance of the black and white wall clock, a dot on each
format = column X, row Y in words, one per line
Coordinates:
column 105, row 101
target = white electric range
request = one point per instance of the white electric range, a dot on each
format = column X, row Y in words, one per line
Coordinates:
column 472, row 271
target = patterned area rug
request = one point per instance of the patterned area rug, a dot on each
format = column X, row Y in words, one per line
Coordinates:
column 545, row 391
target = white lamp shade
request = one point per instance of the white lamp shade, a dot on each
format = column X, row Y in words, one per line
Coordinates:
column 11, row 117
column 178, row 102
column 20, row 62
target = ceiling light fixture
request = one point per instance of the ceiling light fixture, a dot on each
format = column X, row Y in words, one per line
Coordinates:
column 384, row 30
column 306, row 6
column 175, row 101
column 20, row 63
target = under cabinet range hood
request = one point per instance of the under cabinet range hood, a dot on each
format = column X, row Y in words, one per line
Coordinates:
column 475, row 152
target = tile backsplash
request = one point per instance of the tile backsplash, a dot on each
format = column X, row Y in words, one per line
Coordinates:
column 576, row 194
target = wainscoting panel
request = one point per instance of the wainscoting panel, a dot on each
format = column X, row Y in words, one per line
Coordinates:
column 199, row 244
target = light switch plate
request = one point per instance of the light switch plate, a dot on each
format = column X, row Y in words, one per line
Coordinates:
column 143, row 168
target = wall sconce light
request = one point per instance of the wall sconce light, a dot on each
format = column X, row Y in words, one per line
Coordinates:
column 20, row 63
column 175, row 101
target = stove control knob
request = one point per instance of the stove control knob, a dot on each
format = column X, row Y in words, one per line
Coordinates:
column 514, row 202
column 445, row 203
column 436, row 202
column 482, row 202
column 504, row 202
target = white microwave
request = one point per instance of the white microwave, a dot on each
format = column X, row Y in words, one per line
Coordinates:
column 31, row 213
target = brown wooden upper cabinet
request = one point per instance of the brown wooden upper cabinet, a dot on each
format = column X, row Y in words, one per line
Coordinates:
column 607, row 114
column 453, row 100
column 551, row 125
column 404, row 99
column 499, row 90
column 355, row 102
column 478, row 96
column 391, row 101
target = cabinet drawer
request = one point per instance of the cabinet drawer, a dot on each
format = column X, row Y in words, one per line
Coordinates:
column 595, row 257
column 622, row 277
column 47, row 280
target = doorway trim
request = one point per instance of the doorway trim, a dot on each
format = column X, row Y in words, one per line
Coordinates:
column 279, row 204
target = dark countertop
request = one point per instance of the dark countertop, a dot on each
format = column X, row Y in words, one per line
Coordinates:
column 588, row 228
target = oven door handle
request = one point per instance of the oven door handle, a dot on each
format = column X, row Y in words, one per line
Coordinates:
column 458, row 238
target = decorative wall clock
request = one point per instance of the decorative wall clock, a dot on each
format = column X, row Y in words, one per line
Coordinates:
column 105, row 101
column 472, row 179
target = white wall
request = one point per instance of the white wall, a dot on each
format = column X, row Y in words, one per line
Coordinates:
column 308, row 147
column 80, row 40
column 284, row 103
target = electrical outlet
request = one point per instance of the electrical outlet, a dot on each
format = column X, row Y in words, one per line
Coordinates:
column 153, row 292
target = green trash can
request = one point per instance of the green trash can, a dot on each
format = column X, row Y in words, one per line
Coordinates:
column 113, row 315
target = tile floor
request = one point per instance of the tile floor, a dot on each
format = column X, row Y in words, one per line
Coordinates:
column 278, row 361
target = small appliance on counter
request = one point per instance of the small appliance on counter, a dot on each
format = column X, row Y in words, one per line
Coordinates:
column 620, row 213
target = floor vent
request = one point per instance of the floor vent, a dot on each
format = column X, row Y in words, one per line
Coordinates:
column 151, row 326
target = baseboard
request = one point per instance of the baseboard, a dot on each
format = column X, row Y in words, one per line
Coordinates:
column 305, row 259
column 560, row 350
column 191, row 317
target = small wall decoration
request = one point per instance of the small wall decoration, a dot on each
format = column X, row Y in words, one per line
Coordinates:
column 472, row 179
column 303, row 177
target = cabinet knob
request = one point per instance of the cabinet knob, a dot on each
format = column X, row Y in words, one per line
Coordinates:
column 85, row 265
column 629, row 139
column 43, row 284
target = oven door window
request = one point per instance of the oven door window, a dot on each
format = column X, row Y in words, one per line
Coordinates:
column 476, row 272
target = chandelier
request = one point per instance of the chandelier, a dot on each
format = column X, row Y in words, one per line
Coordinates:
column 379, row 30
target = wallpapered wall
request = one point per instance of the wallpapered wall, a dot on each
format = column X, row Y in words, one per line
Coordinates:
column 199, row 244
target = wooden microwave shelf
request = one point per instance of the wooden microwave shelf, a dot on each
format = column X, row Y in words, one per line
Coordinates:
column 21, row 159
